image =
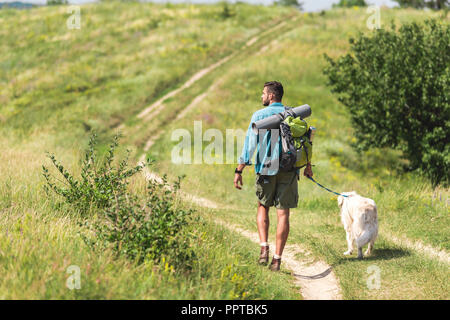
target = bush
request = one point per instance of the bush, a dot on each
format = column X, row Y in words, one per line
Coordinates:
column 98, row 184
column 56, row 2
column 290, row 3
column 396, row 85
column 420, row 4
column 154, row 230
column 226, row 11
column 350, row 3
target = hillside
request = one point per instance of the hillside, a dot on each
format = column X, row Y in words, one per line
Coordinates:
column 146, row 70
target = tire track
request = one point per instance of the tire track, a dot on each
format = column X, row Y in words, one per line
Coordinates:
column 418, row 246
column 155, row 108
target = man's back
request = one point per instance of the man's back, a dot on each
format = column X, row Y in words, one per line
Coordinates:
column 267, row 159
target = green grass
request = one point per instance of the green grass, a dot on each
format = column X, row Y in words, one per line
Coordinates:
column 57, row 85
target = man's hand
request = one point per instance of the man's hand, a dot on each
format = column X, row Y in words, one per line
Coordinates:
column 237, row 179
column 238, row 176
column 308, row 171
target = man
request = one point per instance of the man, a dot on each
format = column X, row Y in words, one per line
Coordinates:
column 273, row 187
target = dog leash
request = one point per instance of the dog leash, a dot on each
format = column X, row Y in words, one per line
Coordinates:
column 310, row 178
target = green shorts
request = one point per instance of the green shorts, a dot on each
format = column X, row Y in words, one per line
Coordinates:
column 280, row 190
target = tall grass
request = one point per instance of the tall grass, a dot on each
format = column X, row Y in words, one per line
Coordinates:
column 37, row 251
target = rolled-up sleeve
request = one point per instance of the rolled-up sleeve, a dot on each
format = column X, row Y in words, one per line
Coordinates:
column 250, row 144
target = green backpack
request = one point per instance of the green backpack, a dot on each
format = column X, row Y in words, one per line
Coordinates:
column 296, row 145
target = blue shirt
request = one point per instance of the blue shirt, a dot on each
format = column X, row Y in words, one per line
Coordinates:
column 267, row 160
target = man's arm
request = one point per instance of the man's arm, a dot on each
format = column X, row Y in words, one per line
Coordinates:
column 247, row 153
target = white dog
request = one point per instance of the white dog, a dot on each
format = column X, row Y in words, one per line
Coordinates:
column 359, row 216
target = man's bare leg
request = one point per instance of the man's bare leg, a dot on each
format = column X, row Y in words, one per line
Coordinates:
column 262, row 221
column 282, row 230
column 282, row 235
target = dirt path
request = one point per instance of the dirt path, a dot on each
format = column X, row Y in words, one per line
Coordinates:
column 155, row 108
column 418, row 246
column 315, row 278
column 191, row 106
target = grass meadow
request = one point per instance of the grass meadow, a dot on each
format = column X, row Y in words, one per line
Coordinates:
column 59, row 85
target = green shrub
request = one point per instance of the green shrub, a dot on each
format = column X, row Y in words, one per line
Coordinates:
column 350, row 3
column 56, row 2
column 290, row 3
column 154, row 230
column 226, row 12
column 420, row 4
column 396, row 85
column 98, row 183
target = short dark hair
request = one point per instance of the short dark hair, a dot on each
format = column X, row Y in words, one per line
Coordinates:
column 276, row 88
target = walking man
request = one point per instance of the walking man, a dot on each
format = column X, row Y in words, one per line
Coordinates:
column 273, row 187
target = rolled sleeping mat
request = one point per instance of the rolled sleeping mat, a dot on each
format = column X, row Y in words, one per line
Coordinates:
column 273, row 122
